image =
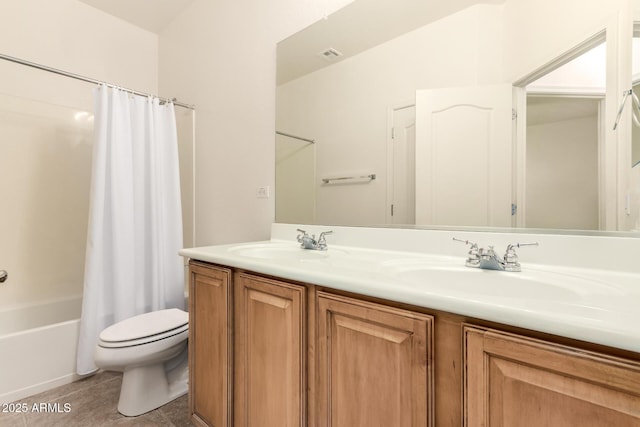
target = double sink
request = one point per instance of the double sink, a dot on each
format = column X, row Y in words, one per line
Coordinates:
column 539, row 287
column 589, row 304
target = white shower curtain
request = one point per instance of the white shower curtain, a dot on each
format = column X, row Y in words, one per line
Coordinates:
column 135, row 221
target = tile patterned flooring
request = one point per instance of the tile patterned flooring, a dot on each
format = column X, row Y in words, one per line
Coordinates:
column 91, row 402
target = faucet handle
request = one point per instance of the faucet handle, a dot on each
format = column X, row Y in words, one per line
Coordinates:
column 473, row 259
column 467, row 242
column 324, row 233
column 302, row 235
column 518, row 245
column 322, row 242
column 512, row 251
column 511, row 257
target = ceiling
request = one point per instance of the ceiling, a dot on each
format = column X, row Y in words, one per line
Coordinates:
column 151, row 15
column 359, row 26
column 550, row 109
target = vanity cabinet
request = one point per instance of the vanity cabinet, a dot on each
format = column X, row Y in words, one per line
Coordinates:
column 210, row 346
column 512, row 380
column 246, row 349
column 268, row 352
column 374, row 364
column 271, row 352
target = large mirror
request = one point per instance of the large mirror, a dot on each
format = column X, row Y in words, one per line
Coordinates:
column 386, row 114
column 635, row 75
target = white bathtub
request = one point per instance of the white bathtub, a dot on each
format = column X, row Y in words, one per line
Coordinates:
column 38, row 347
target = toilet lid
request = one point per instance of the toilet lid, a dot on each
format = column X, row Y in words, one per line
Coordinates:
column 145, row 325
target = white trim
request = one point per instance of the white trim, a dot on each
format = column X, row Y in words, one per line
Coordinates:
column 390, row 124
column 520, row 155
column 602, row 200
column 563, row 58
column 581, row 92
column 193, row 178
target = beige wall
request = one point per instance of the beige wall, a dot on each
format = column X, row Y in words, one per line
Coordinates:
column 562, row 174
column 75, row 37
column 220, row 56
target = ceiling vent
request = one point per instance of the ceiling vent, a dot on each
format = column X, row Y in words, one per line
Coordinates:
column 330, row 54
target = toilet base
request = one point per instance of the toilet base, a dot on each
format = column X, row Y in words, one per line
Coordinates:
column 146, row 388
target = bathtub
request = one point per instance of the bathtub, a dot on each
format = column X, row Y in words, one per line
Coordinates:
column 38, row 347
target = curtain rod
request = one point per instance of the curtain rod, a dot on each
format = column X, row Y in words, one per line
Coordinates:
column 313, row 141
column 87, row 79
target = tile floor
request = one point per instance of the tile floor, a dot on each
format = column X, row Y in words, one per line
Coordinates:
column 87, row 403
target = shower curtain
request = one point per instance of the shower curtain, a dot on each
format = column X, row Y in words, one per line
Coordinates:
column 135, row 220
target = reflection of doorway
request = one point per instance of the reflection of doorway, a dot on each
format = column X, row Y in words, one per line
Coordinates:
column 571, row 182
column 401, row 153
column 295, row 180
column 562, row 162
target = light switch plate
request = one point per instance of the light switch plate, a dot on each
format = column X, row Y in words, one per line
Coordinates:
column 263, row 192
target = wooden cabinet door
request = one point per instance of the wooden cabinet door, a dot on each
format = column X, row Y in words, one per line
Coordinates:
column 517, row 381
column 210, row 346
column 269, row 352
column 374, row 365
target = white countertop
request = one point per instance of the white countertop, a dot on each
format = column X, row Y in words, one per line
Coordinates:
column 596, row 305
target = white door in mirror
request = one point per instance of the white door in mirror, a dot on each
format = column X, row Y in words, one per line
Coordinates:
column 464, row 156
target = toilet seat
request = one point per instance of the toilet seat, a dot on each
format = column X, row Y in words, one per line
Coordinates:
column 151, row 352
column 145, row 328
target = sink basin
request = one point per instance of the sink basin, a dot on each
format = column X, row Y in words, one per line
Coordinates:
column 278, row 251
column 535, row 291
column 467, row 281
column 450, row 277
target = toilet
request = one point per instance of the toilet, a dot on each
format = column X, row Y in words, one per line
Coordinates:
column 151, row 351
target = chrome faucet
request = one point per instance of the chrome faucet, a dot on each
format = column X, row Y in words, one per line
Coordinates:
column 310, row 242
column 488, row 259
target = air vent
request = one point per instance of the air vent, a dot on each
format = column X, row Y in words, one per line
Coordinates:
column 330, row 54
